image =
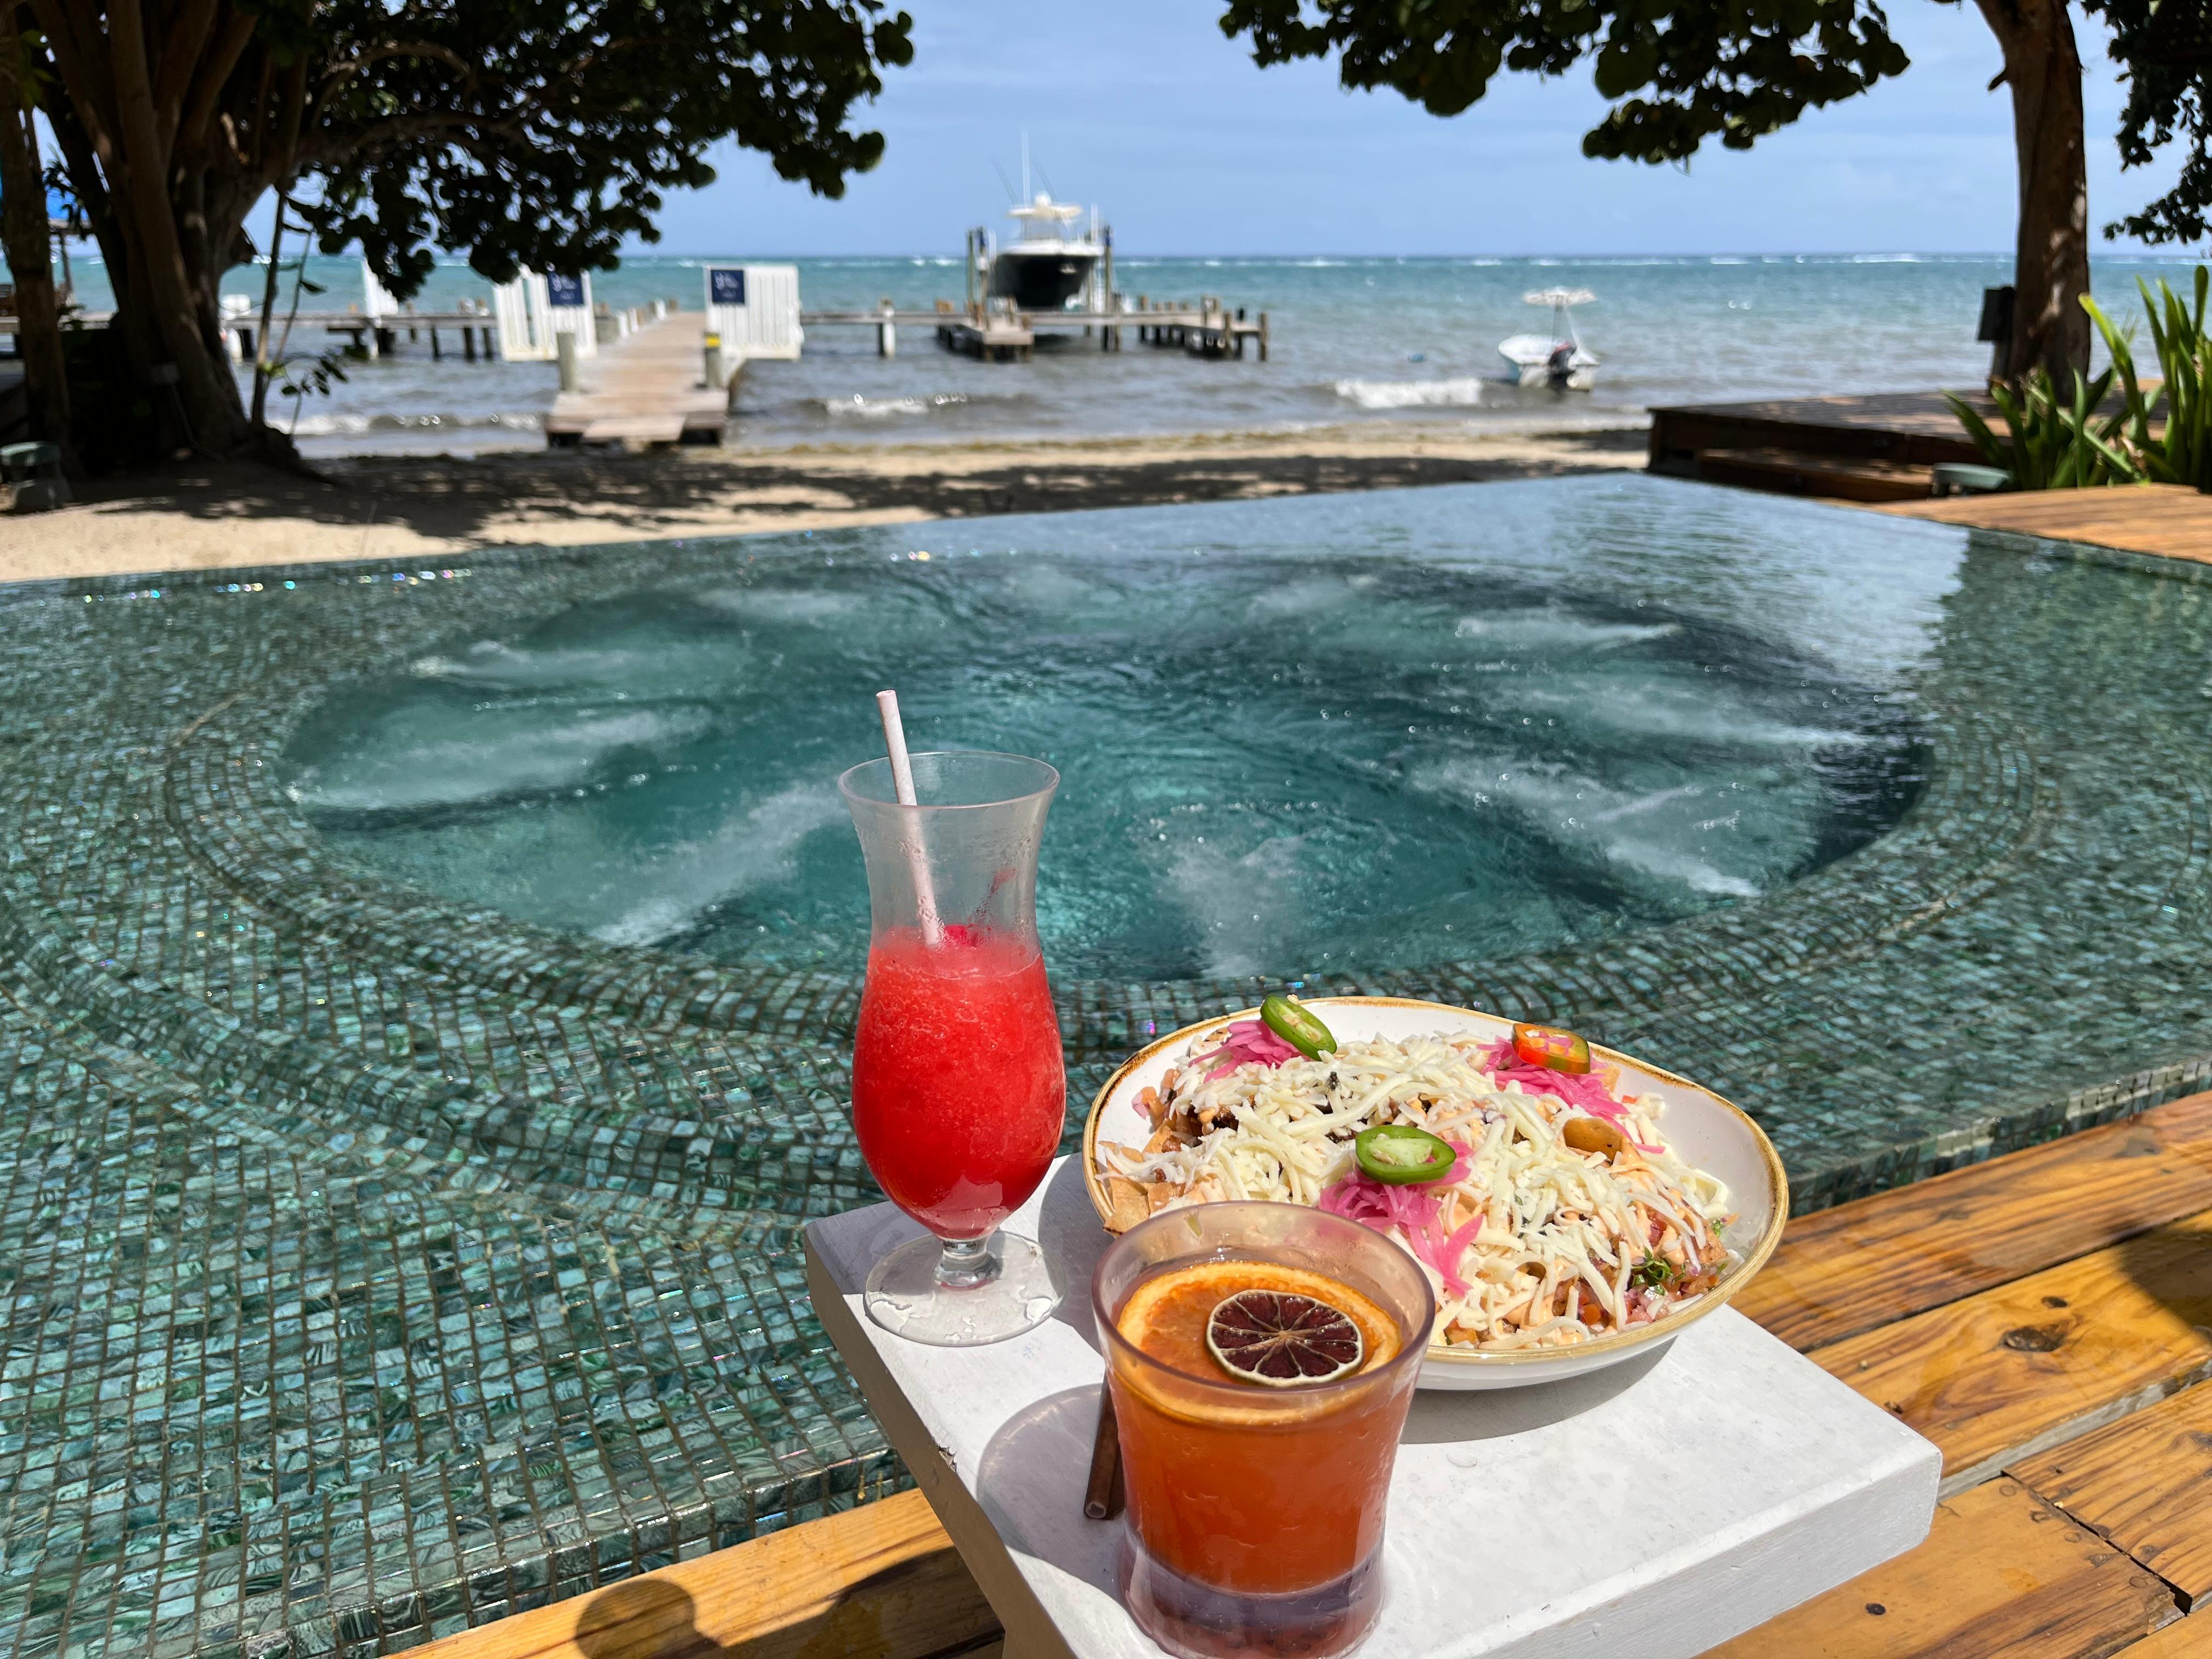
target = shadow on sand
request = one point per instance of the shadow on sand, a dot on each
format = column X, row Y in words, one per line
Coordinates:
column 671, row 492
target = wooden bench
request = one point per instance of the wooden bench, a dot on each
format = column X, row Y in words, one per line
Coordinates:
column 2044, row 1318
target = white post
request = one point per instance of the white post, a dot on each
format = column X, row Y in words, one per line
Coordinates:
column 887, row 333
column 565, row 342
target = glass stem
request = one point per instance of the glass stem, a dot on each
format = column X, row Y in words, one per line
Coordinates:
column 966, row 1263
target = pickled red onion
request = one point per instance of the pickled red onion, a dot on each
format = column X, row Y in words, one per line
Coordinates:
column 1249, row 1042
column 1359, row 1197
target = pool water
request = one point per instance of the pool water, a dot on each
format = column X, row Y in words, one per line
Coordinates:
column 1283, row 749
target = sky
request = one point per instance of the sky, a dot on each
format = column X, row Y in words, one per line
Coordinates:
column 1144, row 107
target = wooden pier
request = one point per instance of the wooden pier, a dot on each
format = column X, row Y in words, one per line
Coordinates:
column 648, row 387
column 1206, row 329
column 374, row 336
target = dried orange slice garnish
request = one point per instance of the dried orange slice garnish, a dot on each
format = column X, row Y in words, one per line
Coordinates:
column 1281, row 1340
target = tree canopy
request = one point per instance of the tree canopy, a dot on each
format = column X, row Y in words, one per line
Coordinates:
column 525, row 132
column 544, row 135
column 1677, row 73
column 2164, row 47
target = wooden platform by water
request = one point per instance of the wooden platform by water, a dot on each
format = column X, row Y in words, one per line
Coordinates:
column 1877, row 448
column 2045, row 1318
column 648, row 387
column 2164, row 519
column 1881, row 450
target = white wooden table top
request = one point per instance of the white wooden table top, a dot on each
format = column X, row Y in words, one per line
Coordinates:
column 1649, row 1511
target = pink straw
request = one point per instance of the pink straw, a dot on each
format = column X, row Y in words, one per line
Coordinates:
column 925, row 892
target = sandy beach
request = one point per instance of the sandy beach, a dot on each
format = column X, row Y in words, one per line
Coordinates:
column 201, row 516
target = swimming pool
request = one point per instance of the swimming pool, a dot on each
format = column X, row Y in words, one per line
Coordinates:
column 390, row 1256
column 1281, row 752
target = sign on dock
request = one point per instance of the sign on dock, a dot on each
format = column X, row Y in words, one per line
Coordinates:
column 755, row 311
column 533, row 309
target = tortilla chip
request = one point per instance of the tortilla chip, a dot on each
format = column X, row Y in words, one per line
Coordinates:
column 1128, row 1202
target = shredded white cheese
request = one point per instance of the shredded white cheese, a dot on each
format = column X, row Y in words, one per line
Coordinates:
column 1572, row 1244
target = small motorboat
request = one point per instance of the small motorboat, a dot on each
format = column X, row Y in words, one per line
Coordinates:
column 1559, row 359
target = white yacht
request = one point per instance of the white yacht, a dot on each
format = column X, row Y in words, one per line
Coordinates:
column 1558, row 359
column 1048, row 261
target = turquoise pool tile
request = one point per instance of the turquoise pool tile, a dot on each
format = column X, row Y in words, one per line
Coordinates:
column 379, row 1265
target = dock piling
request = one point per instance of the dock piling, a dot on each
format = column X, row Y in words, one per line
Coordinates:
column 564, row 342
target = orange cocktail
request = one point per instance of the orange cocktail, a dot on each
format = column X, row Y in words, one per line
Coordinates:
column 1261, row 1358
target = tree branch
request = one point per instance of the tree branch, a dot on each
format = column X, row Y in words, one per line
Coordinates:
column 349, row 67
column 145, row 146
column 181, row 54
column 199, row 117
column 284, row 165
column 88, row 89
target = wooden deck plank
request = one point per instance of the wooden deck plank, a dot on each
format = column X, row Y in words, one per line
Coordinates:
column 2166, row 519
column 2027, row 1364
column 642, row 428
column 1849, row 1269
column 1921, row 414
column 1911, row 426
column 1831, row 477
column 2000, row 1574
column 882, row 1580
column 2184, row 1638
column 2146, row 1484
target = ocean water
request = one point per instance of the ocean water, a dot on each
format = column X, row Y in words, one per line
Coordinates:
column 1354, row 340
column 1571, row 712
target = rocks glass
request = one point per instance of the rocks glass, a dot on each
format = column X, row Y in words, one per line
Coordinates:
column 1254, row 1514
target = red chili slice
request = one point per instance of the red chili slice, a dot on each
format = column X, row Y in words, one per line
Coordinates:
column 1550, row 1047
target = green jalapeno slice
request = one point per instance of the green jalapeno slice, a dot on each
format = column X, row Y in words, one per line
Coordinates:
column 1399, row 1155
column 1297, row 1026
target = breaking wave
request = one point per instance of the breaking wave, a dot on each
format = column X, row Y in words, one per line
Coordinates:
column 1462, row 391
column 347, row 425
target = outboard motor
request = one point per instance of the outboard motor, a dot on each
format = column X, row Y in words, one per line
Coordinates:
column 1561, row 363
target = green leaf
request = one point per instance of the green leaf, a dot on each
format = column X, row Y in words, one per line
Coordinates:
column 1626, row 64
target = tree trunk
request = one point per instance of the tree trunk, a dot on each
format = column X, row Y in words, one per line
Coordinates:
column 160, row 216
column 144, row 176
column 2050, row 261
column 30, row 248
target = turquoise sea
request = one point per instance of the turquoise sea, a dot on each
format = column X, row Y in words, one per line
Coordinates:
column 1355, row 339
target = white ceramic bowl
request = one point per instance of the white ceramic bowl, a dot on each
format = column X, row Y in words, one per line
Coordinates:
column 1702, row 1128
